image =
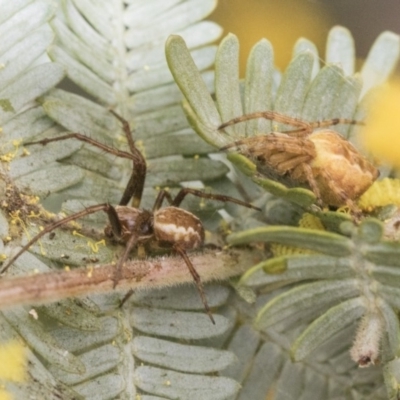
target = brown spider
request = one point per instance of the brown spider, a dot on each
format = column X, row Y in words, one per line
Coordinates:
column 323, row 160
column 169, row 227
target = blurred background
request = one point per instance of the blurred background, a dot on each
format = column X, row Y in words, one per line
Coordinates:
column 282, row 22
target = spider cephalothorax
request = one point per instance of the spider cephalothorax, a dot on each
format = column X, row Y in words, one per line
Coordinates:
column 168, row 227
column 323, row 160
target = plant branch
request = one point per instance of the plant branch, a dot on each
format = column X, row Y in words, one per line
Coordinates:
column 138, row 274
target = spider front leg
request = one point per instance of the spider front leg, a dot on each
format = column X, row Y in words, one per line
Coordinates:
column 177, row 200
column 130, row 245
column 304, row 127
column 49, row 228
column 303, row 172
column 135, row 185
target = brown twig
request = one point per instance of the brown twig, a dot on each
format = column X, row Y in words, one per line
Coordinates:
column 138, row 274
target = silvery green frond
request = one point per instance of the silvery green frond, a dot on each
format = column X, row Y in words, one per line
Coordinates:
column 114, row 52
column 26, row 73
column 339, row 294
column 161, row 344
column 346, row 284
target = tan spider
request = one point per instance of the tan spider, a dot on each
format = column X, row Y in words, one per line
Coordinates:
column 322, row 160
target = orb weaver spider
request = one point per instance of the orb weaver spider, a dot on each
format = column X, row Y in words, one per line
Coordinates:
column 322, row 160
column 168, row 227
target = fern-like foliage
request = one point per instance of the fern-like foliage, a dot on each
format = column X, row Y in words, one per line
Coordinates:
column 340, row 294
column 160, row 345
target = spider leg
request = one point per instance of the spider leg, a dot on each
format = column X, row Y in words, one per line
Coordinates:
column 89, row 210
column 323, row 124
column 135, row 185
column 345, row 199
column 289, row 164
column 305, row 169
column 196, row 278
column 303, row 125
column 128, row 294
column 335, row 121
column 162, row 194
column 131, row 243
column 87, row 139
column 115, row 222
column 185, row 191
column 287, row 144
column 274, row 141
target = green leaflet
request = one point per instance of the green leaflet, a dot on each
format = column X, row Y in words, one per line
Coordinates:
column 355, row 269
column 326, row 326
column 327, row 242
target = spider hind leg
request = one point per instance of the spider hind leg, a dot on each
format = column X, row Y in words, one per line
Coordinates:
column 197, row 280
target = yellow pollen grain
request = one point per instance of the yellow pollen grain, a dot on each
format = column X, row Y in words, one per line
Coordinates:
column 94, row 246
column 90, row 272
column 308, row 221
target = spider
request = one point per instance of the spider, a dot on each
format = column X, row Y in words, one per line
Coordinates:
column 169, row 227
column 321, row 160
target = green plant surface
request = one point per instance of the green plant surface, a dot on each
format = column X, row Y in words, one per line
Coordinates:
column 316, row 316
column 161, row 345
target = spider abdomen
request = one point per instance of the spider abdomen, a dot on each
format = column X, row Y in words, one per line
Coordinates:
column 338, row 164
column 174, row 225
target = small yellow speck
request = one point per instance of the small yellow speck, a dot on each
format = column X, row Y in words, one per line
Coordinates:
column 76, row 233
column 8, row 157
column 16, row 142
column 90, row 272
column 307, row 221
column 94, row 246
